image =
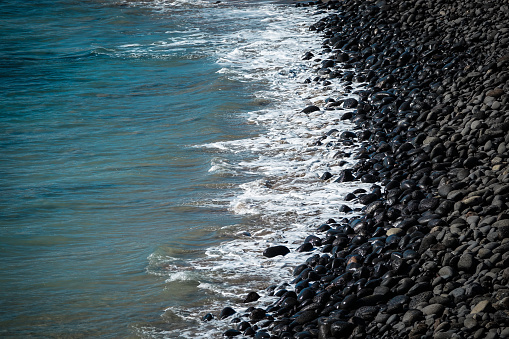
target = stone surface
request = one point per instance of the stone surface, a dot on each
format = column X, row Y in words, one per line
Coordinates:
column 275, row 251
column 482, row 306
column 427, row 254
column 412, row 316
column 433, row 309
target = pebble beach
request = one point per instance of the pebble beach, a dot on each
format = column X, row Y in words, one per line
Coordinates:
column 427, row 255
column 254, row 169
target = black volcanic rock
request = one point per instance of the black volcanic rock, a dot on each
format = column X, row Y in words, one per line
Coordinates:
column 275, row 251
column 428, row 254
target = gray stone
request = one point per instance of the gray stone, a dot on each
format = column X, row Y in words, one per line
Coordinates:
column 495, row 93
column 472, row 201
column 446, row 272
column 411, row 316
column 433, row 309
column 392, row 319
column 428, row 241
column 470, row 322
column 438, row 299
column 432, row 141
column 502, row 223
column 501, row 189
column 484, row 253
column 443, row 335
column 479, row 333
column 382, row 318
column 482, row 306
column 394, row 231
column 421, row 298
column 381, row 290
column 492, row 334
column 455, row 195
column 444, row 190
column 467, row 262
column 503, row 248
column 458, row 294
column 503, row 228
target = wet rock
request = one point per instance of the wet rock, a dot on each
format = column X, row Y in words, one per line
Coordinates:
column 341, row 329
column 368, row 198
column 275, row 251
column 231, row 333
column 305, row 317
column 305, row 247
column 369, row 178
column 326, row 176
column 350, row 103
column 348, row 301
column 366, row 312
column 242, row 326
column 251, row 296
column 306, row 293
column 345, row 176
column 257, row 314
column 207, row 317
column 226, row 312
column 249, row 332
column 262, row 335
column 310, row 109
column 428, row 204
column 308, row 56
column 396, row 304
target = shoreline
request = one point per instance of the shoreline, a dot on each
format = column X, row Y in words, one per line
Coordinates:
column 429, row 256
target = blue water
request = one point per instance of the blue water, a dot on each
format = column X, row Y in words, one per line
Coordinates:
column 102, row 104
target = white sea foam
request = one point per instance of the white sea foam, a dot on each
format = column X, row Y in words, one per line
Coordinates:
column 286, row 200
column 166, row 5
column 222, row 167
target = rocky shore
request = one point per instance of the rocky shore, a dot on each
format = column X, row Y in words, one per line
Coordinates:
column 429, row 256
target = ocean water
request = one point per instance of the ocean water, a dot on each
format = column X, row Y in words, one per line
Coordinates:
column 150, row 151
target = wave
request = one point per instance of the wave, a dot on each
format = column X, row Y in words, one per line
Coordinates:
column 284, row 196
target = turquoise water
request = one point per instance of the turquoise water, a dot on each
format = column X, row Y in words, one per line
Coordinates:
column 102, row 105
column 149, row 152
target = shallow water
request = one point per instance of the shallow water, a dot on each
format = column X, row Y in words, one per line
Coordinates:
column 150, row 151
